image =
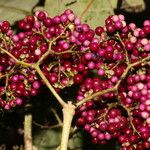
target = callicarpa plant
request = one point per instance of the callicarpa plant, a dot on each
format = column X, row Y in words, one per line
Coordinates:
column 110, row 65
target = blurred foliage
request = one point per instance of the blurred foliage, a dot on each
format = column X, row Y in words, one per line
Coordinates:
column 49, row 139
column 13, row 10
column 93, row 12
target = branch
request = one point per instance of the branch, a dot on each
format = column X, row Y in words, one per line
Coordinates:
column 50, row 45
column 68, row 113
column 15, row 59
column 130, row 119
column 56, row 116
column 37, row 68
column 59, row 99
column 47, row 126
column 94, row 95
column 28, row 132
column 46, row 54
column 115, row 88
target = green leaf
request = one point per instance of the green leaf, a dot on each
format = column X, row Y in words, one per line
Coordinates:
column 76, row 142
column 99, row 11
column 54, row 7
column 13, row 10
column 94, row 11
column 50, row 139
column 47, row 139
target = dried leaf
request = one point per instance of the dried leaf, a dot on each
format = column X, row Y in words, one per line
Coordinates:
column 133, row 6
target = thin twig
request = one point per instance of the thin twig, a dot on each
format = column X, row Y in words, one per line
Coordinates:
column 50, row 45
column 130, row 119
column 47, row 126
column 56, row 115
column 126, row 53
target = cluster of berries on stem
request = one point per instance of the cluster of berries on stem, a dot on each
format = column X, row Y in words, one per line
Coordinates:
column 110, row 65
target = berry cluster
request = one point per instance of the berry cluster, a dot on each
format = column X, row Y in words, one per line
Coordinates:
column 54, row 44
column 117, row 86
column 110, row 65
column 62, row 38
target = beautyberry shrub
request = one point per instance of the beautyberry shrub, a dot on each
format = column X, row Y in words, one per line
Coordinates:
column 110, row 65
